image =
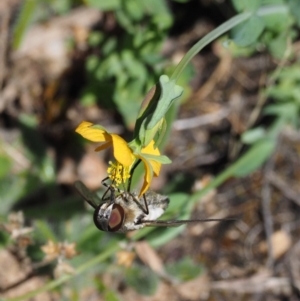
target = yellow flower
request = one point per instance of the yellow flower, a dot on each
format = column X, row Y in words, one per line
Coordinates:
column 151, row 166
column 124, row 154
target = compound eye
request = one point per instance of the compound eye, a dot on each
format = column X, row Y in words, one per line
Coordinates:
column 116, row 218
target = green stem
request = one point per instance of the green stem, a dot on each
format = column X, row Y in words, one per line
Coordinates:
column 216, row 33
column 23, row 20
column 55, row 283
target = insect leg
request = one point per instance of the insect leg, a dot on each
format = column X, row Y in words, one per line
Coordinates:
column 138, row 202
column 146, row 204
column 111, row 189
column 108, row 188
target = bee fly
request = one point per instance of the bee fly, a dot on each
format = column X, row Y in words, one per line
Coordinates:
column 125, row 212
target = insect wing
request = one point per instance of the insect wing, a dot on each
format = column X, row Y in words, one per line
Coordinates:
column 86, row 193
column 177, row 223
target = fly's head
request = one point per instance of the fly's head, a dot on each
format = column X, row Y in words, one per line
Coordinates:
column 109, row 217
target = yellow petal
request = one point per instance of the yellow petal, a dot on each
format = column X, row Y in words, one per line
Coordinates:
column 156, row 167
column 103, row 146
column 122, row 152
column 149, row 149
column 147, row 177
column 92, row 134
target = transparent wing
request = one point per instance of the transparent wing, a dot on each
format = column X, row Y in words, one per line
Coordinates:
column 88, row 195
column 177, row 223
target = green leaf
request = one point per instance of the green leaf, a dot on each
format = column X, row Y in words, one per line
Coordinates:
column 4, row 239
column 288, row 111
column 104, row 5
column 124, row 20
column 142, row 279
column 216, row 33
column 248, row 32
column 134, row 9
column 92, row 63
column 184, row 269
column 169, row 92
column 272, row 2
column 109, row 49
column 278, row 46
column 162, row 159
column 162, row 17
column 95, row 38
column 88, row 99
column 237, row 51
column 182, row 1
column 277, row 22
column 284, row 92
column 47, row 170
column 146, row 136
column 135, row 68
column 159, row 237
column 253, row 135
column 107, row 293
column 58, row 7
column 160, row 134
column 180, row 208
column 23, row 21
column 5, row 165
column 90, row 237
column 11, row 189
column 290, row 73
column 111, row 296
column 44, row 230
column 284, row 109
column 295, row 10
column 256, row 156
column 154, row 108
column 246, row 5
column 127, row 100
column 177, row 202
